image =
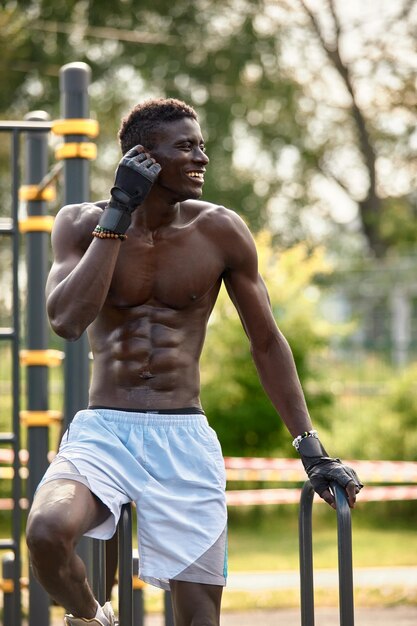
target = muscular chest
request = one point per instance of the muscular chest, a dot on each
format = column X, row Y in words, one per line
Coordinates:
column 176, row 271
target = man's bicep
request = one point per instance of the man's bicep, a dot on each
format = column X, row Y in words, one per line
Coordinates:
column 66, row 252
column 250, row 297
column 246, row 287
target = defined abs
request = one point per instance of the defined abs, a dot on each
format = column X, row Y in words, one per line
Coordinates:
column 152, row 353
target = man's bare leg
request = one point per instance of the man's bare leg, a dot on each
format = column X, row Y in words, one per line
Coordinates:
column 196, row 604
column 62, row 511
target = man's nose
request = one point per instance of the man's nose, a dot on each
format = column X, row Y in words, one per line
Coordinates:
column 201, row 156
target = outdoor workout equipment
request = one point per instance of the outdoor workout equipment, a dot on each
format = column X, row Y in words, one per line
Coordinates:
column 131, row 608
column 73, row 160
column 344, row 534
column 35, row 129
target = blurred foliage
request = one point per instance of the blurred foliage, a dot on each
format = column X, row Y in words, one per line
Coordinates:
column 282, row 132
column 237, row 406
column 399, row 224
column 397, row 430
column 374, row 408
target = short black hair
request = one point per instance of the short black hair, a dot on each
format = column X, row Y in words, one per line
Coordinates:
column 145, row 119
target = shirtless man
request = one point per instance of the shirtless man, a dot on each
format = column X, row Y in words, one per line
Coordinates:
column 141, row 274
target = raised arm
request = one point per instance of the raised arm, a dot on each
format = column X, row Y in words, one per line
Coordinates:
column 83, row 267
column 81, row 272
column 275, row 364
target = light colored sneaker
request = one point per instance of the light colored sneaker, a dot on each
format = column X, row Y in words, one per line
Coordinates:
column 70, row 620
column 109, row 613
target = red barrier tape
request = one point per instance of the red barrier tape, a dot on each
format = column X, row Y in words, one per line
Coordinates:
column 288, row 470
column 292, row 496
column 251, row 497
column 265, row 469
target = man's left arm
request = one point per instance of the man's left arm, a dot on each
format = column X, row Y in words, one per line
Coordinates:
column 277, row 370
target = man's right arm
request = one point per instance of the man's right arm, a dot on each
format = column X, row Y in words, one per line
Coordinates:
column 83, row 266
column 81, row 274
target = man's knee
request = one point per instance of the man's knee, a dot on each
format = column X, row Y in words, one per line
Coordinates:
column 48, row 537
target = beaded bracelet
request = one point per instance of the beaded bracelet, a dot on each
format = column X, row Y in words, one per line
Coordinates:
column 307, row 433
column 103, row 233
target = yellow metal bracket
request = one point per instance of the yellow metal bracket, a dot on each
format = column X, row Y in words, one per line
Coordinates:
column 50, row 358
column 76, row 127
column 40, row 418
column 33, row 192
column 7, row 585
column 36, row 223
column 83, row 150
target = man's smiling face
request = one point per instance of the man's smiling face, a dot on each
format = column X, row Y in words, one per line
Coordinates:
column 179, row 148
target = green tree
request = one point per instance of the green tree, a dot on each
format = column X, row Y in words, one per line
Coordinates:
column 309, row 114
column 377, row 144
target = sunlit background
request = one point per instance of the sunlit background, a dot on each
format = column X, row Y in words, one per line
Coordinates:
column 309, row 111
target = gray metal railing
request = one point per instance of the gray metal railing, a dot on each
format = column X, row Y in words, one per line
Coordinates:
column 344, row 535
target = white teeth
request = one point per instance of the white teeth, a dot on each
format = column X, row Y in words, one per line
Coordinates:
column 196, row 175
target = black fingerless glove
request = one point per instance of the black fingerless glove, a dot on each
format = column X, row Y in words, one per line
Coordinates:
column 321, row 469
column 135, row 176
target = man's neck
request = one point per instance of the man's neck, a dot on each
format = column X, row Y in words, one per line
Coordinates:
column 156, row 215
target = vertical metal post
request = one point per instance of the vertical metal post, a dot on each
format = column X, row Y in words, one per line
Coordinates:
column 99, row 571
column 168, row 610
column 344, row 542
column 8, row 563
column 17, row 514
column 37, row 245
column 74, row 83
column 306, row 555
column 346, row 605
column 138, row 603
column 125, row 566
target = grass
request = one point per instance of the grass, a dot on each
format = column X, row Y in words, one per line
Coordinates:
column 269, row 540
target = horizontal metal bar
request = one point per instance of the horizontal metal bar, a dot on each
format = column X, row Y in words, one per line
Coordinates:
column 11, row 125
column 6, row 226
column 7, row 333
column 7, row 544
column 7, row 438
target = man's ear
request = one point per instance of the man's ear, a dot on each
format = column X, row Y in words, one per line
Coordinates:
column 150, row 149
column 152, row 152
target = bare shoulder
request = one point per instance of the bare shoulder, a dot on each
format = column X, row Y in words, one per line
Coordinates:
column 79, row 215
column 74, row 224
column 229, row 230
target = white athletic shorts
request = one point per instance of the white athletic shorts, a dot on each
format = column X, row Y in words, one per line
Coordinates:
column 172, row 468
